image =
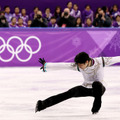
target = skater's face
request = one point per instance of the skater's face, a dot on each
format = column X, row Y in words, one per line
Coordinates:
column 83, row 65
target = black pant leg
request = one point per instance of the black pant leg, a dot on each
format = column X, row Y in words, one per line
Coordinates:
column 98, row 91
column 78, row 91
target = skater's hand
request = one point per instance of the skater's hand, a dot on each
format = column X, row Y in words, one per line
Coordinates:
column 42, row 61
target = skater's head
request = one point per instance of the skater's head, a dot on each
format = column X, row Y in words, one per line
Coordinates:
column 82, row 60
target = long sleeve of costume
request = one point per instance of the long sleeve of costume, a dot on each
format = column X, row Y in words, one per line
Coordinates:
column 111, row 60
column 60, row 66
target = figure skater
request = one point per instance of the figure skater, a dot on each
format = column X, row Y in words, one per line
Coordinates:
column 93, row 85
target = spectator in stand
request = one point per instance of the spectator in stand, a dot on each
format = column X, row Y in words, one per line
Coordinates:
column 106, row 10
column 57, row 13
column 52, row 22
column 29, row 22
column 47, row 14
column 13, row 23
column 69, row 5
column 20, row 23
column 87, row 13
column 78, row 22
column 17, row 13
column 8, row 15
column 114, row 12
column 88, row 23
column 75, row 12
column 33, row 14
column 24, row 16
column 3, row 21
column 117, row 22
column 97, row 11
column 66, row 20
column 2, row 13
column 102, row 20
column 39, row 21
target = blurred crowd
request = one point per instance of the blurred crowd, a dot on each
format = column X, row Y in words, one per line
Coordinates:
column 71, row 16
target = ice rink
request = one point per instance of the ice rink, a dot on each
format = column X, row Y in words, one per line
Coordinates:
column 21, row 87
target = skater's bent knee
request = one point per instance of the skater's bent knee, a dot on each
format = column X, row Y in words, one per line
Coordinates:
column 96, row 84
column 98, row 88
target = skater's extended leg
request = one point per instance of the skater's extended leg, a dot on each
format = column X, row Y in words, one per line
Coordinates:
column 78, row 91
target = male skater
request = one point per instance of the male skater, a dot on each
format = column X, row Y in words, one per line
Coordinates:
column 93, row 85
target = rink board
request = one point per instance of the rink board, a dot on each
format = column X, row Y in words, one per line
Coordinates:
column 23, row 47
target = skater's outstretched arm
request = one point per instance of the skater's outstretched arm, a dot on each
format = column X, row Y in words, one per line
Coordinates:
column 47, row 66
column 111, row 60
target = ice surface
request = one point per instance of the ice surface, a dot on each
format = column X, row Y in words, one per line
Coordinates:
column 21, row 87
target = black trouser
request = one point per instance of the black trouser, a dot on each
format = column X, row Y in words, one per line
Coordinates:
column 97, row 90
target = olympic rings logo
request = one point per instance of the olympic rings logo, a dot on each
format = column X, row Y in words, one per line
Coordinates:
column 19, row 48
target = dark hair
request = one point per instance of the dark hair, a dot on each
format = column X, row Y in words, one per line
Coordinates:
column 104, row 8
column 57, row 8
column 16, row 7
column 76, row 4
column 23, row 8
column 47, row 8
column 82, row 58
column 53, row 17
column 69, row 2
column 87, row 6
column 88, row 18
column 6, row 7
column 35, row 8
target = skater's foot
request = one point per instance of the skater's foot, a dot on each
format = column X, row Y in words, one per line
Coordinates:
column 96, row 105
column 39, row 106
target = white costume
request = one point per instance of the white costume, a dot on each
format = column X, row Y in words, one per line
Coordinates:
column 90, row 74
